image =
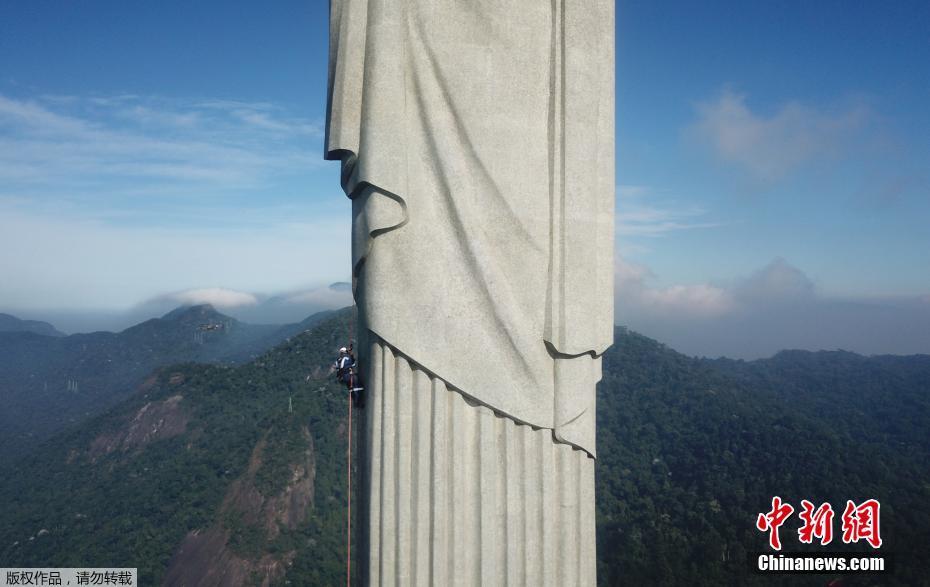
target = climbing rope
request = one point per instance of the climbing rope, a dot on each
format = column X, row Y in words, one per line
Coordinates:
column 349, row 465
column 349, row 513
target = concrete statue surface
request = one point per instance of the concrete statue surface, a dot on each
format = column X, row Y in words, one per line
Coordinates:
column 477, row 146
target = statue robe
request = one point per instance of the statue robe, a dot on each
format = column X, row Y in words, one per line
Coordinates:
column 477, row 143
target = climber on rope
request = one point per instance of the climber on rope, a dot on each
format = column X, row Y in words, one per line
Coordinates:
column 346, row 373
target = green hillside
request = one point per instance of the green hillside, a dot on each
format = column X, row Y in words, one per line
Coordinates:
column 198, row 447
column 690, row 451
column 204, row 471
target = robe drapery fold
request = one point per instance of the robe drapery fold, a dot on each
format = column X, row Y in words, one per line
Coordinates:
column 477, row 143
column 461, row 495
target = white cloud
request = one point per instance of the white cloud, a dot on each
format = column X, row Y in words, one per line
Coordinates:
column 216, row 296
column 634, row 295
column 700, row 300
column 769, row 147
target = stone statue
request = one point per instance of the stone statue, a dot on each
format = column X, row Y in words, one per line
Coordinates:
column 477, row 146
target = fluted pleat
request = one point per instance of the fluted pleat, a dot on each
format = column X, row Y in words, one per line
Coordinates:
column 461, row 495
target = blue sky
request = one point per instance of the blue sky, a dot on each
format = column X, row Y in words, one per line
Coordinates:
column 773, row 177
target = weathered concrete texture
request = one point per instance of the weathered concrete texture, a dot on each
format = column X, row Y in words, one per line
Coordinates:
column 477, row 144
column 461, row 495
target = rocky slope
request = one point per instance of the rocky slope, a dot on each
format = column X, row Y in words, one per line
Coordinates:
column 235, row 475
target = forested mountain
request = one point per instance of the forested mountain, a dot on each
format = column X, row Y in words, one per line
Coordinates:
column 691, row 451
column 238, row 472
column 10, row 323
column 48, row 383
column 233, row 472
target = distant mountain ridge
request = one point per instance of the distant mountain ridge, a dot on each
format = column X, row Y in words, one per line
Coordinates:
column 9, row 323
column 239, row 471
column 195, row 313
column 51, row 382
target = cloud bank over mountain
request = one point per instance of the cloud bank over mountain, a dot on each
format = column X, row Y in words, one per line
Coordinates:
column 776, row 307
column 254, row 308
column 280, row 308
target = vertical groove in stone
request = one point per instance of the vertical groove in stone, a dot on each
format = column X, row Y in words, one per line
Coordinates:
column 401, row 471
column 548, row 514
column 439, row 525
column 534, row 507
column 567, row 479
column 472, row 482
column 532, row 497
column 579, row 510
column 588, row 514
column 388, row 471
column 507, row 474
column 508, row 505
column 460, row 495
column 375, row 400
column 502, row 509
column 487, row 546
column 413, row 480
column 458, row 428
column 422, row 478
column 403, row 435
column 451, row 533
column 515, row 504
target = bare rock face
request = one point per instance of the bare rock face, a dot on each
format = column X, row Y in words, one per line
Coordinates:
column 288, row 508
column 153, row 421
column 203, row 559
column 206, row 558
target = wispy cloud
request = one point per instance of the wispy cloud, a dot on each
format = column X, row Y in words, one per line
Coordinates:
column 769, row 146
column 627, row 191
column 60, row 260
column 655, row 221
column 640, row 213
column 54, row 145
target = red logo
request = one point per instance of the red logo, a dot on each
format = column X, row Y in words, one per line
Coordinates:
column 860, row 522
column 817, row 524
column 773, row 520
